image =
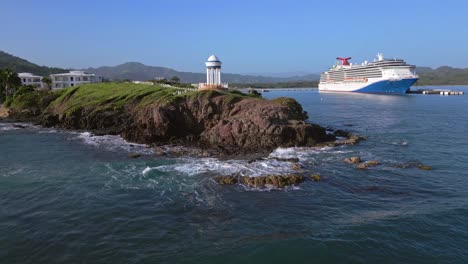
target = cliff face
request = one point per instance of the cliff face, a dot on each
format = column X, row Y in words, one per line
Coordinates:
column 231, row 123
column 247, row 125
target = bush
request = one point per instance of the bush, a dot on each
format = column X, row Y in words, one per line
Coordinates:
column 24, row 90
column 27, row 97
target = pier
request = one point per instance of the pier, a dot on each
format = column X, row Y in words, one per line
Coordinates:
column 439, row 92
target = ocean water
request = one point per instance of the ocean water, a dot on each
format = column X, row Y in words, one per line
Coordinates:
column 71, row 197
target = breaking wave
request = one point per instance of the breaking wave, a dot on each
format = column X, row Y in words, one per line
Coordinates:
column 113, row 143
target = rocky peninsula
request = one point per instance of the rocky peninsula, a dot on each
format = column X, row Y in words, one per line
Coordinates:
column 229, row 122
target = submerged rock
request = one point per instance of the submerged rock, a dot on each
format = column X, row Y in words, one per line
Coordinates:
column 353, row 160
column 424, row 167
column 412, row 165
column 315, row 177
column 296, row 166
column 286, row 159
column 367, row 164
column 134, row 155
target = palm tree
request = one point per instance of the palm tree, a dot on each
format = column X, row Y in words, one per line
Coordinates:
column 48, row 81
column 9, row 81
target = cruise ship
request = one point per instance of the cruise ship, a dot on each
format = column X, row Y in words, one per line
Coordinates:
column 383, row 75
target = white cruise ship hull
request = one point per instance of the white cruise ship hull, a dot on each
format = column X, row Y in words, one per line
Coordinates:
column 374, row 85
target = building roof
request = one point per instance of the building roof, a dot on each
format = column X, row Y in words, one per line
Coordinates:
column 74, row 73
column 28, row 75
column 213, row 58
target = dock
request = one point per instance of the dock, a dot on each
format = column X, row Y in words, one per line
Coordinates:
column 439, row 92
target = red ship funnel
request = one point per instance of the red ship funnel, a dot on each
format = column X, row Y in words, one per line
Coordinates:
column 344, row 61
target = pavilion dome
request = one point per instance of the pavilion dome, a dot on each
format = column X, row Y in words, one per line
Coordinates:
column 213, row 58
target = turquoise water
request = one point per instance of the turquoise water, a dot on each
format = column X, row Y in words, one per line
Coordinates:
column 71, row 197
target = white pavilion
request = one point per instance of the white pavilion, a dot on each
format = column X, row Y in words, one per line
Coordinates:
column 213, row 75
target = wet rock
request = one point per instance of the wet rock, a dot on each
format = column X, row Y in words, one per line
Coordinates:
column 353, row 160
column 362, row 166
column 412, row 165
column 424, row 167
column 296, row 166
column 372, row 163
column 286, row 159
column 255, row 160
column 315, row 177
column 367, row 164
column 134, row 155
column 278, row 181
column 341, row 133
column 226, row 180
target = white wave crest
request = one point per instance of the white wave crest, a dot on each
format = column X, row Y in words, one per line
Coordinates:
column 113, row 143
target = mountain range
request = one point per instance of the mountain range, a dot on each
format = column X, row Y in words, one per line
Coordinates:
column 139, row 71
column 444, row 75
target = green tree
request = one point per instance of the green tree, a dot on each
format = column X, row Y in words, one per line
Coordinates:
column 48, row 82
column 9, row 81
column 175, row 79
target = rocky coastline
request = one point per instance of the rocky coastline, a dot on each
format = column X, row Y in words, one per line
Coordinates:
column 221, row 123
column 196, row 123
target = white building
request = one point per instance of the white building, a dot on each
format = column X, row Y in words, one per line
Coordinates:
column 73, row 78
column 213, row 75
column 30, row 79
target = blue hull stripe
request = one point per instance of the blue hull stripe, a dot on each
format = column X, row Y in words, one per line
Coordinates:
column 386, row 86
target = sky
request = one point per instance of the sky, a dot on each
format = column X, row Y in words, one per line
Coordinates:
column 248, row 36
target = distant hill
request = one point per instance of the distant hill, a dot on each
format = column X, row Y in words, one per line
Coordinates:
column 21, row 65
column 139, row 71
column 444, row 75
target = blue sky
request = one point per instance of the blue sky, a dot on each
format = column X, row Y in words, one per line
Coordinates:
column 248, row 36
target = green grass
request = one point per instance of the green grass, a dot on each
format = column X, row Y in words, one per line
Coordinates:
column 99, row 97
column 112, row 96
column 116, row 96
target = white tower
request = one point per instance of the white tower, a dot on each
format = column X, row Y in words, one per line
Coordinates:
column 213, row 71
column 213, row 75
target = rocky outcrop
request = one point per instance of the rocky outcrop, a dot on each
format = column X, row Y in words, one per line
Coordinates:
column 278, row 181
column 367, row 164
column 210, row 120
column 353, row 160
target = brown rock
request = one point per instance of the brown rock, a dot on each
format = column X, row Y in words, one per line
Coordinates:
column 315, row 177
column 353, row 160
column 296, row 166
column 424, row 167
column 226, row 180
column 362, row 166
column 279, row 181
column 286, row 159
column 372, row 163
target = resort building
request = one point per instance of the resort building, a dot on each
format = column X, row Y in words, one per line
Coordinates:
column 213, row 75
column 73, row 78
column 30, row 79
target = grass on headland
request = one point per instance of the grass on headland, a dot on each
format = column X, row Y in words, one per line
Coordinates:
column 115, row 96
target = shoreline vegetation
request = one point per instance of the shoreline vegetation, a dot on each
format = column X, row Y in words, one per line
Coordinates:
column 215, row 123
